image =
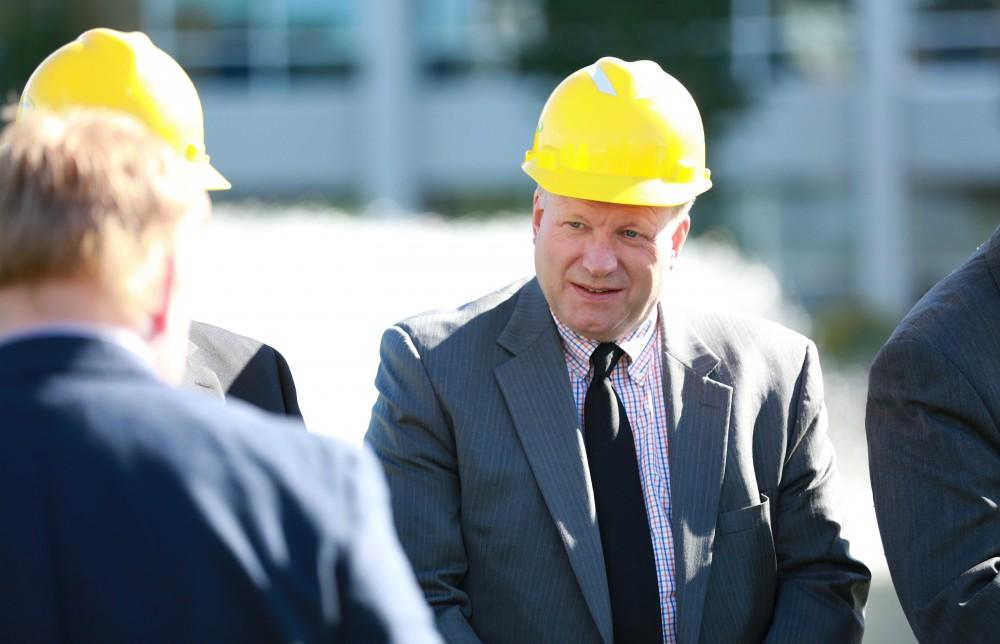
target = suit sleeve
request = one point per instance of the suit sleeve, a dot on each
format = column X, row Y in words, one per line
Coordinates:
column 822, row 589
column 934, row 457
column 411, row 435
column 381, row 583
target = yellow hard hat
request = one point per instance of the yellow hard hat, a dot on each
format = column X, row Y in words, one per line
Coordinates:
column 620, row 132
column 127, row 72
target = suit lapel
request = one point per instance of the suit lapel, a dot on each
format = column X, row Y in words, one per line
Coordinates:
column 698, row 409
column 536, row 387
column 198, row 376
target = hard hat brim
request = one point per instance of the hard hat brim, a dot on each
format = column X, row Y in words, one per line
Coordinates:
column 635, row 191
column 211, row 178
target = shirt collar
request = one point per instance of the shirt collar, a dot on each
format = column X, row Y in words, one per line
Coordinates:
column 637, row 345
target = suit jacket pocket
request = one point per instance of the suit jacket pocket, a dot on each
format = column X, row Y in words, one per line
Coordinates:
column 740, row 595
column 744, row 518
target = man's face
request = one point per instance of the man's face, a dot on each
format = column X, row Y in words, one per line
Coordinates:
column 600, row 265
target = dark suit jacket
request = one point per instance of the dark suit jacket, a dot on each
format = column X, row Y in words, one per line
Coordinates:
column 135, row 512
column 476, row 426
column 227, row 364
column 934, row 448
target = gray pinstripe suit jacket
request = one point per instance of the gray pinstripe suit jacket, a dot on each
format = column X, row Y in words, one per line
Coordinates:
column 476, row 427
column 934, row 446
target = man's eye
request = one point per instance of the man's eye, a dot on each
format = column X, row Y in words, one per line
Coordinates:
column 631, row 234
column 575, row 225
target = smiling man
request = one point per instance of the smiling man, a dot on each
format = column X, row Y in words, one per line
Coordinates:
column 601, row 264
column 575, row 459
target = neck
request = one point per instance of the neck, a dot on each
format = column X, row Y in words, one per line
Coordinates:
column 23, row 307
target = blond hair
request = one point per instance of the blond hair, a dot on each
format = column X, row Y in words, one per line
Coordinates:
column 85, row 195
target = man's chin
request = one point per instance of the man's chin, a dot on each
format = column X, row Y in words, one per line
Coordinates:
column 596, row 331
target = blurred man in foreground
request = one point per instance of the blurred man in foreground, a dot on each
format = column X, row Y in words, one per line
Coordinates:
column 575, row 459
column 105, row 68
column 134, row 511
column 933, row 426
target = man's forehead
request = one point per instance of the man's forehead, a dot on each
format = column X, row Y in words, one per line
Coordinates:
column 606, row 207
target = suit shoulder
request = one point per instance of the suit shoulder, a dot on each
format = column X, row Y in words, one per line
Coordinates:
column 955, row 297
column 956, row 317
column 197, row 435
column 480, row 318
column 758, row 356
column 246, row 368
column 234, row 465
column 734, row 333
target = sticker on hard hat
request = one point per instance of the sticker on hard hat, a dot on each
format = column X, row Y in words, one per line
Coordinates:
column 601, row 80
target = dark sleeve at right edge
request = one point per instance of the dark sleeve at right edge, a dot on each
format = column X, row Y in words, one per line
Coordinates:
column 934, row 453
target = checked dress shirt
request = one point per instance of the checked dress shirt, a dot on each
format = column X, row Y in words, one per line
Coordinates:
column 638, row 381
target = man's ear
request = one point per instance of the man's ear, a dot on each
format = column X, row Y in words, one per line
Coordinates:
column 164, row 298
column 537, row 210
column 174, row 268
column 679, row 235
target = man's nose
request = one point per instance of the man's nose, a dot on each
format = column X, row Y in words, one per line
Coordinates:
column 599, row 257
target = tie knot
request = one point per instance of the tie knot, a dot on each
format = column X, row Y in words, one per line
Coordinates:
column 604, row 358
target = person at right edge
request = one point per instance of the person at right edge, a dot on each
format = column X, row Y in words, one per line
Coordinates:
column 575, row 458
column 933, row 425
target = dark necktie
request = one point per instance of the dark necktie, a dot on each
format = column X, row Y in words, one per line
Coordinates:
column 621, row 511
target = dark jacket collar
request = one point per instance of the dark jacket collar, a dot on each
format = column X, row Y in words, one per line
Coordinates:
column 46, row 354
